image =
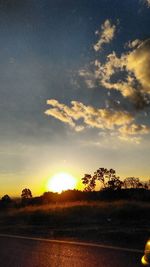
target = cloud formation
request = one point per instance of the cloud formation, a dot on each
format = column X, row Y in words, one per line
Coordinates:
column 132, row 68
column 89, row 77
column 147, row 2
column 135, row 66
column 134, row 129
column 105, row 35
column 129, row 74
column 133, row 44
column 90, row 116
column 133, row 132
column 138, row 62
column 79, row 116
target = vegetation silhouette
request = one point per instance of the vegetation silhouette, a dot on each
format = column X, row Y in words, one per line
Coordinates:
column 26, row 193
column 26, row 196
column 106, row 177
column 6, row 202
column 108, row 208
column 103, row 185
column 110, row 182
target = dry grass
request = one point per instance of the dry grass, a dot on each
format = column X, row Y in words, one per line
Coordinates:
column 86, row 206
column 115, row 221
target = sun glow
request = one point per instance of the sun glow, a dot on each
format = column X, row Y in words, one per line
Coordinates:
column 61, row 182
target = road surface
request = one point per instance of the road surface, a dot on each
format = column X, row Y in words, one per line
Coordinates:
column 31, row 252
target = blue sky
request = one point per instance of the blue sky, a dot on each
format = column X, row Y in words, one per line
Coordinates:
column 94, row 53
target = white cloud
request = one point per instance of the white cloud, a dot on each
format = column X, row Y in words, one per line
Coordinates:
column 134, row 129
column 147, row 2
column 138, row 62
column 89, row 77
column 105, row 35
column 91, row 117
column 129, row 139
column 132, row 81
column 79, row 117
column 58, row 112
column 133, row 132
column 134, row 43
column 134, row 66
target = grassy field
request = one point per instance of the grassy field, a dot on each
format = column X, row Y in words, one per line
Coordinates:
column 119, row 223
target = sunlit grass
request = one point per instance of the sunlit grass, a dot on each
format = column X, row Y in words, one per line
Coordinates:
column 101, row 206
column 112, row 222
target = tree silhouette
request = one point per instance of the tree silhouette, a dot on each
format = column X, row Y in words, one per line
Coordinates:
column 106, row 177
column 26, row 194
column 132, row 182
column 6, row 199
column 146, row 185
column 5, row 202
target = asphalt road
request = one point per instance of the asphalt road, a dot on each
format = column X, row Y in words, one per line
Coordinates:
column 30, row 252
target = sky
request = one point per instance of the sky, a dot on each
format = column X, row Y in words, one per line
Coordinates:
column 74, row 90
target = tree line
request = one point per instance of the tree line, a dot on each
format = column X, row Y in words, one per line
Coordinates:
column 7, row 201
column 104, row 184
column 108, row 180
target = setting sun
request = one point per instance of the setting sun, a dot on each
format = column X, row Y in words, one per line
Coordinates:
column 61, row 182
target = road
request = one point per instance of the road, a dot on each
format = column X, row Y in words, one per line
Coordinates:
column 33, row 252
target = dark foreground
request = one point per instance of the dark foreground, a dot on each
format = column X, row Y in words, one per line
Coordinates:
column 18, row 252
